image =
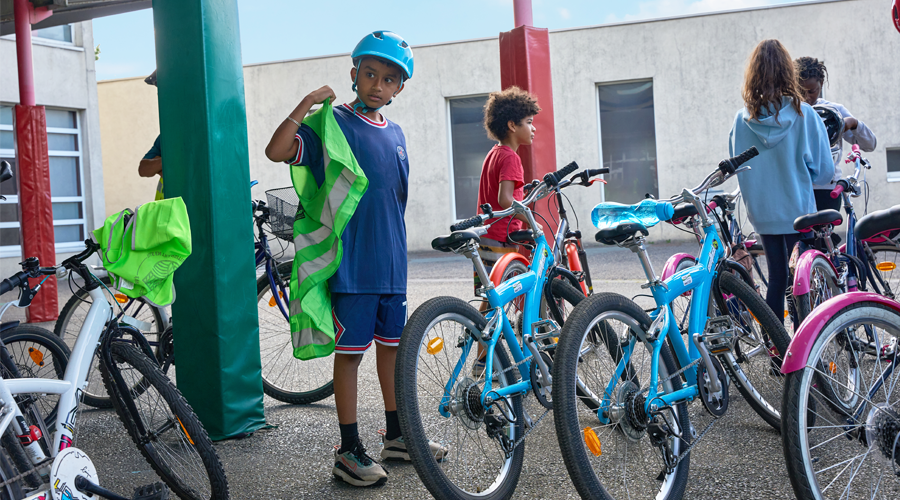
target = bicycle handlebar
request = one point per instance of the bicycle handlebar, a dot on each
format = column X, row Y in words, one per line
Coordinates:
column 12, row 282
column 841, row 186
column 723, row 172
column 730, row 165
column 553, row 178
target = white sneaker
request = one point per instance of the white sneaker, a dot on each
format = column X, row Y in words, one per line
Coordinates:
column 395, row 449
column 357, row 468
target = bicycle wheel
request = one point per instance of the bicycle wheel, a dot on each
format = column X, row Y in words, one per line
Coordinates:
column 514, row 308
column 164, row 427
column 888, row 257
column 830, row 454
column 589, row 351
column 37, row 353
column 822, row 286
column 12, row 490
column 754, row 364
column 451, row 414
column 285, row 377
column 68, row 326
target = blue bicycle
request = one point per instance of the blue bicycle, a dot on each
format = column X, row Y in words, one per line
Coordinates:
column 641, row 372
column 478, row 413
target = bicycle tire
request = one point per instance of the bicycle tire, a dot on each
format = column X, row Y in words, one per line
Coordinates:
column 822, row 286
column 173, row 450
column 441, row 480
column 758, row 380
column 37, row 353
column 286, row 378
column 69, row 323
column 568, row 415
column 13, row 490
column 819, row 443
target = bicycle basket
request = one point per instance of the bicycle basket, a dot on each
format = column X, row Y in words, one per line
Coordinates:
column 283, row 203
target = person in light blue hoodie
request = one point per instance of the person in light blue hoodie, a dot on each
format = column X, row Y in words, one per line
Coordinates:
column 794, row 154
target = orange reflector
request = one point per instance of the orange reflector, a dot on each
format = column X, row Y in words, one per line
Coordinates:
column 592, row 441
column 786, row 313
column 885, row 266
column 272, row 300
column 36, row 356
column 121, row 298
column 832, row 367
column 185, row 431
column 435, row 346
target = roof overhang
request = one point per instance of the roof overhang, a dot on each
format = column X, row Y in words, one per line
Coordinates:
column 70, row 11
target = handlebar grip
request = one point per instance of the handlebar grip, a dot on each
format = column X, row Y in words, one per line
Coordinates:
column 731, row 164
column 466, row 224
column 597, row 171
column 841, row 186
column 12, row 282
column 855, row 148
column 553, row 178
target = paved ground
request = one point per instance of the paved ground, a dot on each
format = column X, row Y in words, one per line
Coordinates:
column 740, row 458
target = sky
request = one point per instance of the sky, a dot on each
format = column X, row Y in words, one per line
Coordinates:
column 276, row 30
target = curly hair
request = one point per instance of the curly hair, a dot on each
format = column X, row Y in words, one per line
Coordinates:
column 770, row 76
column 510, row 105
column 808, row 67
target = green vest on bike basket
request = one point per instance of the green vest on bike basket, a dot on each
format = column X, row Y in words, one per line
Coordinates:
column 142, row 249
column 322, row 215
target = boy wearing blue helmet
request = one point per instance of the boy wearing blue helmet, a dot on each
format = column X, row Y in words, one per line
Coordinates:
column 368, row 290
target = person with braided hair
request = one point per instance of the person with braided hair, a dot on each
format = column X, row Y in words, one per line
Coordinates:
column 811, row 74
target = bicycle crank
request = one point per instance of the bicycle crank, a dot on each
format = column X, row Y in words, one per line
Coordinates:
column 715, row 402
column 542, row 388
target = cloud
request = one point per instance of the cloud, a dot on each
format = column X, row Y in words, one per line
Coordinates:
column 667, row 8
column 564, row 13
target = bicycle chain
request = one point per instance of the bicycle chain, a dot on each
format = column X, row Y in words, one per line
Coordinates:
column 33, row 470
column 533, row 427
column 677, row 373
column 694, row 442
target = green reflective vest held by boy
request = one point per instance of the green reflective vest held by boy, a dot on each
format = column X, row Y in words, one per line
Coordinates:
column 320, row 221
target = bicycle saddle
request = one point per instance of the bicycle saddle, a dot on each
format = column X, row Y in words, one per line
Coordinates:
column 620, row 233
column 807, row 223
column 523, row 236
column 682, row 212
column 879, row 226
column 454, row 240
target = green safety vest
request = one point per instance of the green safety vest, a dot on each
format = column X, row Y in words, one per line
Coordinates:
column 320, row 221
column 142, row 248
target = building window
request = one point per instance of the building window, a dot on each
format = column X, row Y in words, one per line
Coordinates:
column 66, row 182
column 469, row 145
column 61, row 34
column 893, row 164
column 628, row 140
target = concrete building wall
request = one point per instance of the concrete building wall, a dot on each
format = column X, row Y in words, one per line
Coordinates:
column 696, row 65
column 64, row 77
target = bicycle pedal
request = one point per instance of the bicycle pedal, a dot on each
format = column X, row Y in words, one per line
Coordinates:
column 155, row 491
column 544, row 329
column 720, row 335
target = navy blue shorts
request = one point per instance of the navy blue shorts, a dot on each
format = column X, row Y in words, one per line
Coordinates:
column 361, row 318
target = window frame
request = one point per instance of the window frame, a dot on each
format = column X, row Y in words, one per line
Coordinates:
column 891, row 176
column 450, row 168
column 597, row 86
column 69, row 246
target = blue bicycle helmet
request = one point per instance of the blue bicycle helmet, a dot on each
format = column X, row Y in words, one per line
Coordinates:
column 386, row 45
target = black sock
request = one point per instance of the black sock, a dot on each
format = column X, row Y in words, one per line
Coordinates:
column 393, row 425
column 349, row 436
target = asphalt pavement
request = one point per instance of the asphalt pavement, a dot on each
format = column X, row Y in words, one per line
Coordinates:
column 740, row 458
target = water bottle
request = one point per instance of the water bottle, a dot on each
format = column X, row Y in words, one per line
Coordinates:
column 648, row 213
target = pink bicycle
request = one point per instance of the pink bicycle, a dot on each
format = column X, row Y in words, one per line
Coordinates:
column 841, row 406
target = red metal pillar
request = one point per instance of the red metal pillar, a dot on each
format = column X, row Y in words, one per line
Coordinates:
column 525, row 62
column 33, row 162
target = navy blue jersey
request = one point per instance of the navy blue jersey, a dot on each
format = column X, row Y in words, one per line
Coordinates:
column 374, row 240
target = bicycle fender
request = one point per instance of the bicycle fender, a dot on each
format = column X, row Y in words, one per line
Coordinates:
column 801, row 275
column 801, row 344
column 502, row 262
column 672, row 264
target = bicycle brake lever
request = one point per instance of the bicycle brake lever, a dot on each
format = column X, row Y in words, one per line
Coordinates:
column 743, row 169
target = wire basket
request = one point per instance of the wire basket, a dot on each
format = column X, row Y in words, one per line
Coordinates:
column 283, row 203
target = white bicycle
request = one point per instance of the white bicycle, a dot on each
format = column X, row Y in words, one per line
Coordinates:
column 155, row 414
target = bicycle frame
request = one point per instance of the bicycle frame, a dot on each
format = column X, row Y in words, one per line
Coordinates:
column 698, row 279
column 529, row 284
column 68, row 388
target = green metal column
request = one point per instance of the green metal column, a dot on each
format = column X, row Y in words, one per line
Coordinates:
column 203, row 122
